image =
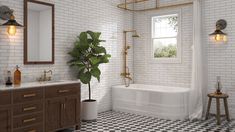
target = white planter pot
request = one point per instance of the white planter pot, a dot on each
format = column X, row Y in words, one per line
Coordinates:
column 89, row 110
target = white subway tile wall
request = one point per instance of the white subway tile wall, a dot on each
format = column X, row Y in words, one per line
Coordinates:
column 71, row 18
column 220, row 58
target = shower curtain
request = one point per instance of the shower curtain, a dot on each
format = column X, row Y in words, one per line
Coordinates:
column 195, row 95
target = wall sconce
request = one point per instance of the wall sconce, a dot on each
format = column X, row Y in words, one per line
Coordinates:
column 218, row 35
column 7, row 14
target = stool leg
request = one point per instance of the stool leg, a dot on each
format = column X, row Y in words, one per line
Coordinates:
column 226, row 109
column 208, row 108
column 218, row 111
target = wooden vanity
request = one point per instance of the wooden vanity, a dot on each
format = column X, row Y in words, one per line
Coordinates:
column 44, row 108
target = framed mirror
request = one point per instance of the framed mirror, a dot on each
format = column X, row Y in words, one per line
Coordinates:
column 38, row 32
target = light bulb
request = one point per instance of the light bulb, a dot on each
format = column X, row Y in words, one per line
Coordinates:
column 217, row 37
column 11, row 30
column 225, row 38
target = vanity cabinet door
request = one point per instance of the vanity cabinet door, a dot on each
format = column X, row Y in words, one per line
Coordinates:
column 70, row 112
column 5, row 119
column 53, row 114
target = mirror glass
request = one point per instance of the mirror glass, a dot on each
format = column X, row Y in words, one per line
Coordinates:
column 39, row 43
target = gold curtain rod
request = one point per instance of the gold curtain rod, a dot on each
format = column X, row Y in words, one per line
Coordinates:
column 155, row 8
column 131, row 2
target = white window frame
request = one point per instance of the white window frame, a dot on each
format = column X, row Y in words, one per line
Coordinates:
column 178, row 58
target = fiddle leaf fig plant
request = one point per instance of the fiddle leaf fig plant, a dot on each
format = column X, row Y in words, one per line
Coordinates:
column 86, row 57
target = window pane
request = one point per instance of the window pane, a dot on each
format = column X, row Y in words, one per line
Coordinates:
column 165, row 48
column 165, row 26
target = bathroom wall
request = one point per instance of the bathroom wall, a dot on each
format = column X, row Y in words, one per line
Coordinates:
column 149, row 72
column 71, row 18
column 221, row 58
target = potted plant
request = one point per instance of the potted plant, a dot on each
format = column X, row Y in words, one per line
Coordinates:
column 86, row 57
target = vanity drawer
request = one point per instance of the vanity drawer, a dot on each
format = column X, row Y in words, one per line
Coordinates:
column 62, row 90
column 5, row 97
column 34, row 128
column 28, row 120
column 27, row 108
column 27, row 95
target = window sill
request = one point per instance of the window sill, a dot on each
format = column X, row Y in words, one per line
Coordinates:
column 165, row 60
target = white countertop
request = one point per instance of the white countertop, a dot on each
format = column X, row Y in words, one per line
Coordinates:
column 37, row 84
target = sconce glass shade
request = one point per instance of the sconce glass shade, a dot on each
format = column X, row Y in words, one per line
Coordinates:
column 12, row 25
column 219, row 36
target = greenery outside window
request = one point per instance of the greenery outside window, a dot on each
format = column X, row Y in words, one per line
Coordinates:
column 166, row 46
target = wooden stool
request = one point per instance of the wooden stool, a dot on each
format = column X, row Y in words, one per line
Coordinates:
column 218, row 97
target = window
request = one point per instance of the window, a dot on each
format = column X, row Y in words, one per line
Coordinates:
column 165, row 38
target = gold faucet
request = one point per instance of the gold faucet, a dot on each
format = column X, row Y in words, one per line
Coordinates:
column 126, row 74
column 45, row 77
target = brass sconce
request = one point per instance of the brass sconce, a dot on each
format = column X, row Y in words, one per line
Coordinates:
column 218, row 35
column 7, row 14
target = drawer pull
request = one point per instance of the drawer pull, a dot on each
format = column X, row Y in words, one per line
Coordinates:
column 63, row 91
column 29, row 120
column 29, row 108
column 29, row 95
column 32, row 131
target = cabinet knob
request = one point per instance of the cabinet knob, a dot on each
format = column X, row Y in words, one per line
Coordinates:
column 29, row 120
column 63, row 91
column 29, row 108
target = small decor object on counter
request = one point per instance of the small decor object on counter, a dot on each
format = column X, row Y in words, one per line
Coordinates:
column 9, row 79
column 218, row 85
column 87, row 55
column 17, row 76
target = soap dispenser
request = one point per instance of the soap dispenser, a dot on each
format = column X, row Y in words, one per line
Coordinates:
column 9, row 79
column 17, row 76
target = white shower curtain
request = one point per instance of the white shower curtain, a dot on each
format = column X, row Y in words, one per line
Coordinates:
column 195, row 96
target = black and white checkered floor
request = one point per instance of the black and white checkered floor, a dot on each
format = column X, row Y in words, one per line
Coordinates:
column 111, row 121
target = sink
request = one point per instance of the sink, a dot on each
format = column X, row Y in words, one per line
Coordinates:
column 54, row 81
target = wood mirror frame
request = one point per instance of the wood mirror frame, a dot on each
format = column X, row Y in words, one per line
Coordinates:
column 26, row 32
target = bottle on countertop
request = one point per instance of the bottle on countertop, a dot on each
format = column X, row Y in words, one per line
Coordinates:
column 9, row 79
column 17, row 76
column 218, row 85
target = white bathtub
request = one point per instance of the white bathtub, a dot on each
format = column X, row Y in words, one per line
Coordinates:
column 152, row 100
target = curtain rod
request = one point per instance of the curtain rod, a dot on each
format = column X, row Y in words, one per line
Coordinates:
column 155, row 8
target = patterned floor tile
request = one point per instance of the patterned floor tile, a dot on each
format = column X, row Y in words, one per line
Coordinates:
column 112, row 121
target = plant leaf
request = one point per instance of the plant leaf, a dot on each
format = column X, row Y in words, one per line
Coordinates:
column 105, row 58
column 83, row 43
column 83, row 37
column 99, row 49
column 96, row 73
column 85, row 77
column 94, row 60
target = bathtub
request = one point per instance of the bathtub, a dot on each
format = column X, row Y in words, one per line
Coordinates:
column 151, row 100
